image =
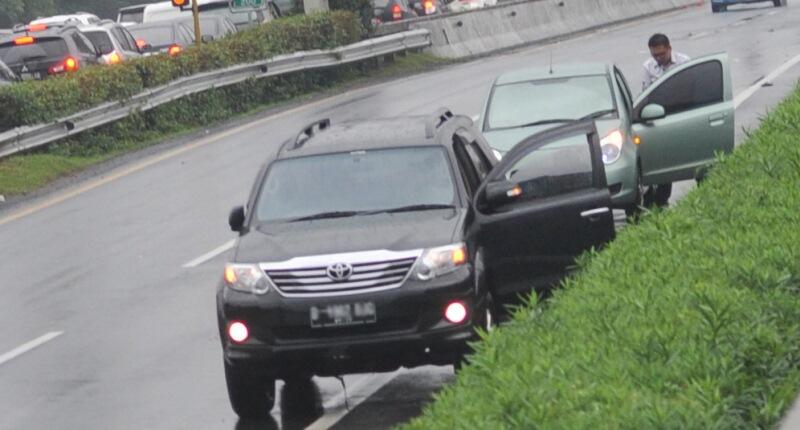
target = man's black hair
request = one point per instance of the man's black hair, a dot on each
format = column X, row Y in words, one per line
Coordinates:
column 658, row 39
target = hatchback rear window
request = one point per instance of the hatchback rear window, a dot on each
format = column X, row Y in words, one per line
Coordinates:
column 155, row 36
column 101, row 40
column 40, row 49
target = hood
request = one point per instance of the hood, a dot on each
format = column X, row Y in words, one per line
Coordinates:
column 504, row 140
column 394, row 232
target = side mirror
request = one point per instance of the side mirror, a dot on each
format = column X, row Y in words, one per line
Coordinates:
column 652, row 112
column 501, row 192
column 236, row 219
column 206, row 38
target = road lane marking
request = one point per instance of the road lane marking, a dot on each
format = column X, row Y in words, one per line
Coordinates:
column 210, row 255
column 16, row 352
column 746, row 94
column 359, row 391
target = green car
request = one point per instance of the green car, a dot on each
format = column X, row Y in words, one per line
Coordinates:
column 669, row 133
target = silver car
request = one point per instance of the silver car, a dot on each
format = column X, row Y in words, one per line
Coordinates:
column 115, row 42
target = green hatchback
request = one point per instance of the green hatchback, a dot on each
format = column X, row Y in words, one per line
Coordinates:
column 670, row 132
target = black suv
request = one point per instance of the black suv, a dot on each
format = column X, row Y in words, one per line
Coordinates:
column 373, row 245
column 38, row 51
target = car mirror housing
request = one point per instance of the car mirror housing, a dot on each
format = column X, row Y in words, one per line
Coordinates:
column 652, row 112
column 236, row 219
column 499, row 193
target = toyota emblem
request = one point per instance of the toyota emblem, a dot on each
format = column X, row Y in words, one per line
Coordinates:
column 340, row 272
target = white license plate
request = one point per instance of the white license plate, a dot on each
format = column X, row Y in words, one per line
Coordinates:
column 342, row 315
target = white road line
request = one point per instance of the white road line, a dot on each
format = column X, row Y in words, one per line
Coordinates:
column 209, row 255
column 29, row 346
column 746, row 94
column 357, row 393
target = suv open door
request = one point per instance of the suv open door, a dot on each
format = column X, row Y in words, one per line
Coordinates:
column 545, row 203
column 684, row 119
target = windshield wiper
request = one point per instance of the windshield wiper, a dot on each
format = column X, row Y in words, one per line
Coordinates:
column 326, row 215
column 597, row 114
column 412, row 208
column 544, row 122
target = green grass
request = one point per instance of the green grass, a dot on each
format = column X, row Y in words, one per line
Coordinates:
column 25, row 173
column 689, row 320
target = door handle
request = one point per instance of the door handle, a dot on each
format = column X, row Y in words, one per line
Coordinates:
column 717, row 119
column 594, row 214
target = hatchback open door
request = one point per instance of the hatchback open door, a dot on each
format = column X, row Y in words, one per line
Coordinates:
column 545, row 203
column 683, row 119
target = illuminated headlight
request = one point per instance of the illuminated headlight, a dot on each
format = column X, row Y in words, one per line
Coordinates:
column 247, row 278
column 440, row 261
column 611, row 145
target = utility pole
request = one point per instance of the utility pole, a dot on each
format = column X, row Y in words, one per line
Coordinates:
column 198, row 36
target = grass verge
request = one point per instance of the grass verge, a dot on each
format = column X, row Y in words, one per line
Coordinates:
column 690, row 320
column 25, row 173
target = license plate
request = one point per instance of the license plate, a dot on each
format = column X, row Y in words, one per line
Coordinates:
column 342, row 315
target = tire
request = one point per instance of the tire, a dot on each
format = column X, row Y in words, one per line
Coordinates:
column 715, row 8
column 632, row 210
column 252, row 396
column 662, row 194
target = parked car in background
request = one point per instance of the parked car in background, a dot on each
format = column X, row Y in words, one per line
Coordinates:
column 428, row 7
column 671, row 132
column 131, row 15
column 468, row 5
column 115, row 42
column 165, row 11
column 212, row 27
column 38, row 51
column 168, row 37
column 282, row 7
column 393, row 10
column 397, row 256
column 6, row 75
column 80, row 18
column 722, row 5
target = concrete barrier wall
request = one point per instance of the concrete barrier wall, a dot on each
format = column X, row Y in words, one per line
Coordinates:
column 515, row 24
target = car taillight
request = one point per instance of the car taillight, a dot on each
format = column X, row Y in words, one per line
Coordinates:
column 114, row 58
column 397, row 13
column 37, row 27
column 69, row 64
column 24, row 40
column 174, row 50
column 141, row 43
column 429, row 7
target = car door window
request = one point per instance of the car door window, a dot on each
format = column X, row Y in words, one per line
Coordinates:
column 552, row 170
column 82, row 45
column 122, row 40
column 477, row 158
column 626, row 92
column 694, row 87
column 471, row 177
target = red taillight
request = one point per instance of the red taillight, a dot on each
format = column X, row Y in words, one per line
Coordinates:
column 141, row 43
column 69, row 64
column 456, row 312
column 37, row 27
column 397, row 12
column 429, row 7
column 238, row 332
column 24, row 40
column 114, row 58
column 174, row 50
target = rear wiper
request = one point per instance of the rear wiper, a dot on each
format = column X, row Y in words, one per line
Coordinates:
column 597, row 114
column 326, row 215
column 413, row 208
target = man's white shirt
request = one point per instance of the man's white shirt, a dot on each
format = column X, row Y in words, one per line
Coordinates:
column 653, row 70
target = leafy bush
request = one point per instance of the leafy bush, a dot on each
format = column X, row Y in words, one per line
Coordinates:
column 31, row 103
column 690, row 320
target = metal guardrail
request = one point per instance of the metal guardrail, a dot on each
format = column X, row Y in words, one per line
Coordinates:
column 29, row 137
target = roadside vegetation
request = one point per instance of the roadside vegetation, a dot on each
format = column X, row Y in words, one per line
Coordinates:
column 689, row 320
column 31, row 103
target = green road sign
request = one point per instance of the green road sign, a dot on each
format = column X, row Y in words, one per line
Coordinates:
column 247, row 4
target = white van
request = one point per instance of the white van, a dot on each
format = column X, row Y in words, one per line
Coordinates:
column 165, row 11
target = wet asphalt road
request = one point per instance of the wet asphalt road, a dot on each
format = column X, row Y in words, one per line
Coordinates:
column 131, row 334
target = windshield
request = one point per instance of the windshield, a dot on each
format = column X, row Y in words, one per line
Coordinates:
column 358, row 181
column 42, row 49
column 515, row 105
column 155, row 36
column 101, row 40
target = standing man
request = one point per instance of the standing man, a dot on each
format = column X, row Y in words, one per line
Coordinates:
column 662, row 59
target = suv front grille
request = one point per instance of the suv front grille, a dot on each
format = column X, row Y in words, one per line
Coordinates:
column 371, row 271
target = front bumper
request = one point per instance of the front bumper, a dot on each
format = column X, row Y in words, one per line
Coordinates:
column 410, row 330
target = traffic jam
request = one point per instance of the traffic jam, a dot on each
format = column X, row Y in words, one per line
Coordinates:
column 384, row 239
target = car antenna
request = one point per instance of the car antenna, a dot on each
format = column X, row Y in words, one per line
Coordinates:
column 551, row 61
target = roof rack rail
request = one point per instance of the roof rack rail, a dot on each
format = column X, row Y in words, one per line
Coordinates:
column 308, row 131
column 441, row 116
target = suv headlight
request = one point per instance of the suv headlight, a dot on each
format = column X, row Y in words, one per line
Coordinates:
column 611, row 145
column 440, row 261
column 248, row 278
